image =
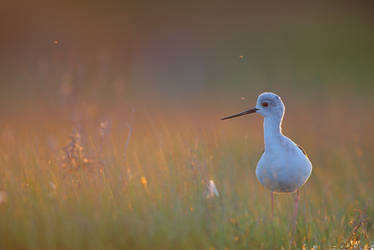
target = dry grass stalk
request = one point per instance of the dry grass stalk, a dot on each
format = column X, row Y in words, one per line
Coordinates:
column 74, row 154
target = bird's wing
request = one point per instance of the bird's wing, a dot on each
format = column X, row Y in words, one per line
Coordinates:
column 301, row 149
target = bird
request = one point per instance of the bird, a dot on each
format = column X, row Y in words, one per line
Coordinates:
column 284, row 167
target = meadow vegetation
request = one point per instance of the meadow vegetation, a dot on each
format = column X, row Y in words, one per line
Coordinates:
column 119, row 177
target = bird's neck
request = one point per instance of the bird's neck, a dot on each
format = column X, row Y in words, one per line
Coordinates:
column 272, row 132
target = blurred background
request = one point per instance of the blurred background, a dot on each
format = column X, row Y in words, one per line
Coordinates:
column 189, row 54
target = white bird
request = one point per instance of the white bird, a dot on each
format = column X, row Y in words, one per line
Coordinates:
column 284, row 166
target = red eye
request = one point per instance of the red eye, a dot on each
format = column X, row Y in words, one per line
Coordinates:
column 265, row 104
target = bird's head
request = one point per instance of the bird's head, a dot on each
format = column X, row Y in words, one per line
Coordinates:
column 268, row 105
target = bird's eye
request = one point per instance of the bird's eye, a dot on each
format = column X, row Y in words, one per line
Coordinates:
column 265, row 104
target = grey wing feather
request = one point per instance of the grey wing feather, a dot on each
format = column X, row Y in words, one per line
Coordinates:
column 301, row 149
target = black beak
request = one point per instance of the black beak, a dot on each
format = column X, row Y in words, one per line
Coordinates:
column 250, row 111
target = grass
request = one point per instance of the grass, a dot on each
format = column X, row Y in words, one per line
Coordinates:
column 116, row 188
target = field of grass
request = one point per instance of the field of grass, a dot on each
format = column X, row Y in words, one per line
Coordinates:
column 138, row 181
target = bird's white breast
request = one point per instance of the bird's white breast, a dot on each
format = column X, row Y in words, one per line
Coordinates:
column 284, row 167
